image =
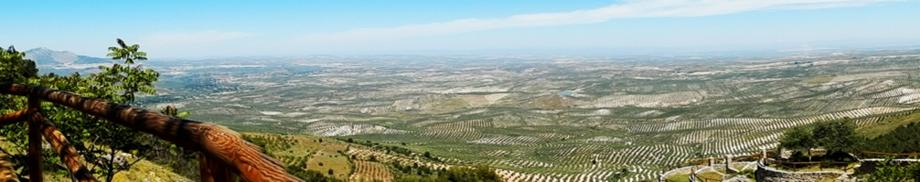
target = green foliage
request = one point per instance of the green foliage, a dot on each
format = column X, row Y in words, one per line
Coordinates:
column 120, row 83
column 619, row 175
column 180, row 160
column 396, row 149
column 903, row 139
column 267, row 144
column 798, row 138
column 429, row 156
column 13, row 66
column 308, row 175
column 479, row 173
column 172, row 111
column 836, row 136
column 889, row 171
column 126, row 53
column 889, row 123
column 99, row 141
column 417, row 173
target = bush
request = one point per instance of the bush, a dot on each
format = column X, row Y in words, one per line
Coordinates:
column 479, row 173
column 457, row 174
column 308, row 175
column 892, row 171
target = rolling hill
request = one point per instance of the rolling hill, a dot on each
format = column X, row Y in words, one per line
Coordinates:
column 47, row 57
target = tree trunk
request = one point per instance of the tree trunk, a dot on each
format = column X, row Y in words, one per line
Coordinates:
column 110, row 168
column 809, row 154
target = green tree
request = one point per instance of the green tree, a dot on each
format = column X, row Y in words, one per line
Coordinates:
column 478, row 173
column 619, row 175
column 836, row 136
column 456, row 174
column 120, row 83
column 427, row 154
column 309, row 175
column 181, row 160
column 798, row 139
column 99, row 141
column 14, row 67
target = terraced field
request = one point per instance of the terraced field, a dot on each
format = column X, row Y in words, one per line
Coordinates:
column 547, row 120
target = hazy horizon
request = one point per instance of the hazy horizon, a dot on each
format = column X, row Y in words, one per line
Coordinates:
column 209, row 29
column 461, row 90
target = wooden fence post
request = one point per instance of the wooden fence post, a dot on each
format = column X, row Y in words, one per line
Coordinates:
column 65, row 151
column 35, row 142
column 212, row 169
column 226, row 154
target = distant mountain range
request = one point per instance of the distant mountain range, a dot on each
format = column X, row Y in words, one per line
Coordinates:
column 47, row 57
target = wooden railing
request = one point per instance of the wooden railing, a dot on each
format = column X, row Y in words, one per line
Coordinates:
column 875, row 154
column 224, row 154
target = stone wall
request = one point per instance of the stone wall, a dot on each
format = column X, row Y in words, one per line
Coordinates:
column 765, row 173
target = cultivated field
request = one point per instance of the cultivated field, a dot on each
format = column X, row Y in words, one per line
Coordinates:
column 565, row 119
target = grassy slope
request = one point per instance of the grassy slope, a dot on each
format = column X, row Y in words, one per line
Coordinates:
column 888, row 125
column 149, row 171
column 324, row 160
column 329, row 152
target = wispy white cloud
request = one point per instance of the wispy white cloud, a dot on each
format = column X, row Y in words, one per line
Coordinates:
column 195, row 43
column 625, row 9
column 192, row 38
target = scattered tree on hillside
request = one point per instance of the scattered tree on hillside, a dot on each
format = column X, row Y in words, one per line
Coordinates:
column 619, row 175
column 456, row 174
column 308, row 175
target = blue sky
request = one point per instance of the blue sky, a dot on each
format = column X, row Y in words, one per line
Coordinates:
column 198, row 29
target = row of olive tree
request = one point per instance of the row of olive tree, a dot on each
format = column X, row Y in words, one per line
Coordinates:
column 418, row 173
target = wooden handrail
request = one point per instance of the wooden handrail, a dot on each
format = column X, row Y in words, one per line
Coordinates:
column 214, row 141
column 62, row 147
column 14, row 117
column 909, row 154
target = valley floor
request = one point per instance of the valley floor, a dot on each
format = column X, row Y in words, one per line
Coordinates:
column 552, row 120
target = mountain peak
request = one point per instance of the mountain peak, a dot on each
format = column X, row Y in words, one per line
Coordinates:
column 46, row 56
